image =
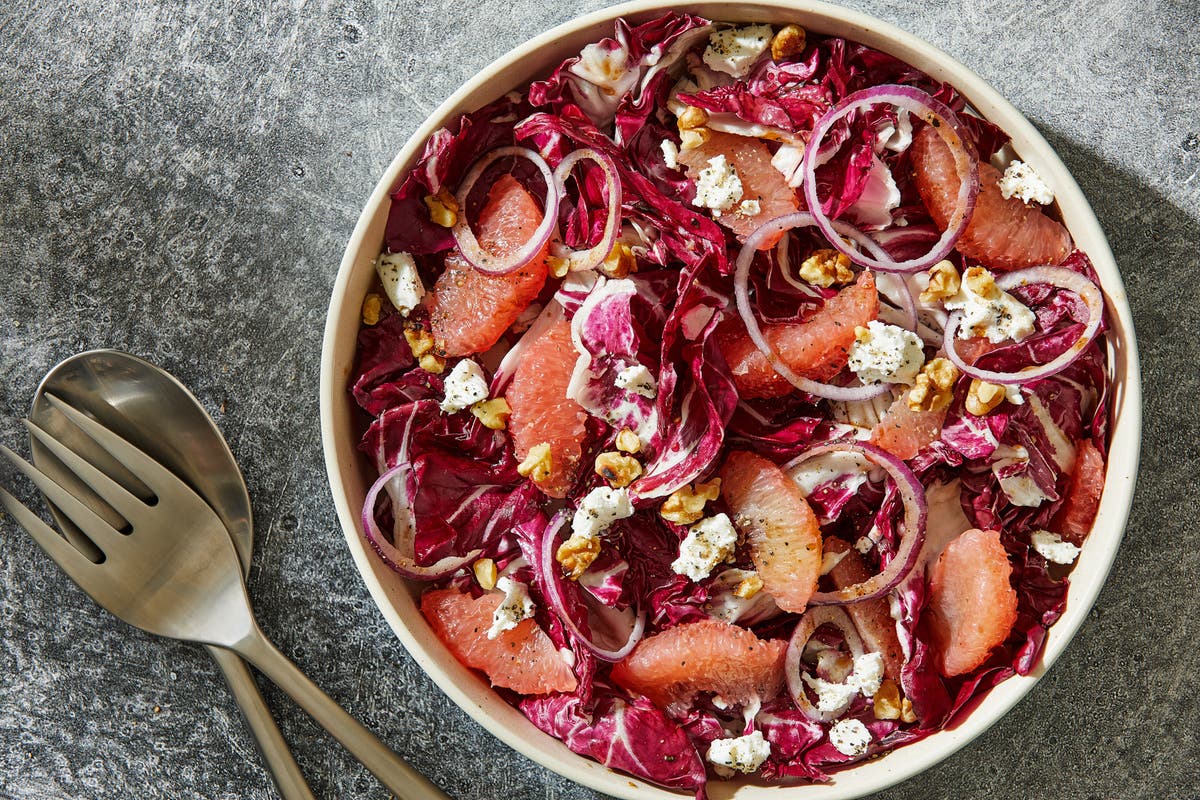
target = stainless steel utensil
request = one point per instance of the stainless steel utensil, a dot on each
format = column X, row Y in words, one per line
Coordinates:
column 152, row 410
column 172, row 570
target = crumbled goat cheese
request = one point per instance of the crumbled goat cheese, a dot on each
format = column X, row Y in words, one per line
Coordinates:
column 709, row 542
column 637, row 379
column 850, row 737
column 1052, row 548
column 600, row 508
column 401, row 282
column 734, row 50
column 515, row 607
column 868, row 673
column 718, row 186
column 749, row 208
column 886, row 354
column 1021, row 180
column 1000, row 317
column 670, row 154
column 865, row 679
column 465, row 386
column 741, row 753
column 831, row 697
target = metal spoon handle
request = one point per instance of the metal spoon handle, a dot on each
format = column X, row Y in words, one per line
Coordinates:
column 275, row 751
column 391, row 770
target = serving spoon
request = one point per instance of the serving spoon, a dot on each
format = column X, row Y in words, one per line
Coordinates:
column 151, row 409
column 171, row 569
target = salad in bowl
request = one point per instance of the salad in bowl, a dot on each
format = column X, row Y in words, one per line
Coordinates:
column 738, row 401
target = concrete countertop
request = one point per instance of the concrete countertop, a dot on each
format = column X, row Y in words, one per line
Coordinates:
column 178, row 180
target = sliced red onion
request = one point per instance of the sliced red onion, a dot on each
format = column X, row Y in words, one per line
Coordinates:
column 945, row 122
column 912, row 495
column 741, row 293
column 469, row 246
column 552, row 585
column 579, row 260
column 1055, row 276
column 399, row 556
column 812, row 620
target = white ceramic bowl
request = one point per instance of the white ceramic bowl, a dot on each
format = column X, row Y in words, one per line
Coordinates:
column 350, row 475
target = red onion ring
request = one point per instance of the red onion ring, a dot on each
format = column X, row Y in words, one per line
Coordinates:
column 579, row 260
column 469, row 246
column 927, row 108
column 741, row 293
column 398, row 556
column 552, row 586
column 912, row 494
column 1055, row 276
column 813, row 619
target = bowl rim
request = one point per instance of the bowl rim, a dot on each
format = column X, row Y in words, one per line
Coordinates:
column 1125, row 406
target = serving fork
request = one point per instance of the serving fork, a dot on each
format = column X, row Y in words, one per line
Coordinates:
column 172, row 570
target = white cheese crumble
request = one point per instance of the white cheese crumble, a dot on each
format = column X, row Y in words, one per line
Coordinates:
column 734, row 50
column 886, row 354
column 718, row 186
column 465, row 386
column 850, row 737
column 515, row 607
column 670, row 153
column 709, row 542
column 749, row 208
column 868, row 673
column 865, row 678
column 600, row 508
column 401, row 282
column 1052, row 548
column 1021, row 180
column 637, row 379
column 1000, row 317
column 741, row 753
column 831, row 697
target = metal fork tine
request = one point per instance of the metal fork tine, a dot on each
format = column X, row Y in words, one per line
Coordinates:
column 88, row 521
column 113, row 493
column 156, row 477
column 70, row 560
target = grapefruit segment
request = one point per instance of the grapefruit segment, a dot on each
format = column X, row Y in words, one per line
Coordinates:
column 1073, row 520
column 522, row 659
column 784, row 536
column 469, row 310
column 673, row 666
column 872, row 618
column 1003, row 234
column 751, row 158
column 817, row 348
column 541, row 411
column 972, row 606
column 904, row 432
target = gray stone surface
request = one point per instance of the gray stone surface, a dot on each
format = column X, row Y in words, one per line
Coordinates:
column 178, row 180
